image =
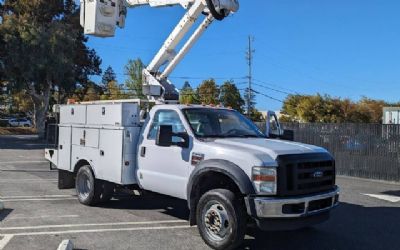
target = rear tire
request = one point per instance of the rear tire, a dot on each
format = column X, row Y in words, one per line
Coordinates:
column 87, row 186
column 221, row 219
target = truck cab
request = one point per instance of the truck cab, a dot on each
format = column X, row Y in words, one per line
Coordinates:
column 229, row 172
column 194, row 146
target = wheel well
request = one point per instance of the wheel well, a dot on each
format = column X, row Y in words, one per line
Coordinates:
column 80, row 164
column 206, row 182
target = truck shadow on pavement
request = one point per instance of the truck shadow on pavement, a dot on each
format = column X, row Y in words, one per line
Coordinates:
column 4, row 213
column 392, row 192
column 350, row 227
column 150, row 201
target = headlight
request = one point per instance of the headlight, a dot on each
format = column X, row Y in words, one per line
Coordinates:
column 264, row 179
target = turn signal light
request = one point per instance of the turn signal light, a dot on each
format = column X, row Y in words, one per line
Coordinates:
column 269, row 178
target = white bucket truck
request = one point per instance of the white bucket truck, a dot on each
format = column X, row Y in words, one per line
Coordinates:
column 214, row 158
column 230, row 173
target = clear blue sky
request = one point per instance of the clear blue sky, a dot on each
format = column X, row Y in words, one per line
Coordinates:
column 342, row 48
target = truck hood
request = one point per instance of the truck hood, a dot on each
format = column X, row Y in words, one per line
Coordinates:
column 266, row 149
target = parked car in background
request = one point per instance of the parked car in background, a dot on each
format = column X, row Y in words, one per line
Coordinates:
column 20, row 122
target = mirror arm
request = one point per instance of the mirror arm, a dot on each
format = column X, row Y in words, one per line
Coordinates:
column 185, row 137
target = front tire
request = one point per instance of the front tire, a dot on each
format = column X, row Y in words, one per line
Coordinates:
column 221, row 219
column 86, row 186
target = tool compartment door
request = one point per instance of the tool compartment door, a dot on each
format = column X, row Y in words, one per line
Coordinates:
column 73, row 114
column 85, row 137
column 109, row 163
column 64, row 148
column 117, row 114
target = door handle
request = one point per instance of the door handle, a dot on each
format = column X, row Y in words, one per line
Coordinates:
column 143, row 151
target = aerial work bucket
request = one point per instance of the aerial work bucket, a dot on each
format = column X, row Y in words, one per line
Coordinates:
column 100, row 17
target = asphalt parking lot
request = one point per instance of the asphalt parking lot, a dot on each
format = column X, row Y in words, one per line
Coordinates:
column 39, row 216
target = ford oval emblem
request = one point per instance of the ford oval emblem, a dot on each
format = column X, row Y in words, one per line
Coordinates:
column 318, row 174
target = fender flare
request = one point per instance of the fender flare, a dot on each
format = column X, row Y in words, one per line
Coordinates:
column 231, row 170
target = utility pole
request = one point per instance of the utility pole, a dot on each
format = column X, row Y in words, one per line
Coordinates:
column 249, row 58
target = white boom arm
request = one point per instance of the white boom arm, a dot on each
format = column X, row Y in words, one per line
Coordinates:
column 100, row 17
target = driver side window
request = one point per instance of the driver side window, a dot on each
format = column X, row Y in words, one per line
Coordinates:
column 166, row 117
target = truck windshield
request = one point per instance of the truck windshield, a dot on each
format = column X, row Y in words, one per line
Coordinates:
column 220, row 123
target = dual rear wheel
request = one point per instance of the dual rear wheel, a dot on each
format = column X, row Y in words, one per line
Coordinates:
column 90, row 190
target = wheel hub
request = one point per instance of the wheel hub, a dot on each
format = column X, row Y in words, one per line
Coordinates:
column 216, row 221
column 84, row 186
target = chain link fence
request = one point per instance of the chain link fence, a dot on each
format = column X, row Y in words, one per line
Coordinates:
column 361, row 150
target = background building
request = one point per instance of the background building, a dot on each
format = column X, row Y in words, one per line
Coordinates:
column 391, row 115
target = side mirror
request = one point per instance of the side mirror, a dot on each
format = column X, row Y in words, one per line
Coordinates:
column 165, row 137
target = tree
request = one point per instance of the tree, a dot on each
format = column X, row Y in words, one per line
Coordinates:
column 186, row 85
column 208, row 92
column 317, row 108
column 230, row 96
column 134, row 83
column 373, row 107
column 289, row 108
column 43, row 48
column 22, row 103
column 114, row 91
column 187, row 95
column 89, row 92
column 256, row 116
column 108, row 76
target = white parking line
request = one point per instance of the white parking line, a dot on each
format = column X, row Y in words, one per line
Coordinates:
column 17, row 217
column 101, row 230
column 26, row 170
column 37, row 179
column 5, row 240
column 94, row 224
column 36, row 196
column 21, row 162
column 49, row 199
column 23, row 181
column 385, row 197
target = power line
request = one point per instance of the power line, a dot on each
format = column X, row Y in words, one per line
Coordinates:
column 201, row 78
column 276, row 90
column 268, row 96
column 276, row 87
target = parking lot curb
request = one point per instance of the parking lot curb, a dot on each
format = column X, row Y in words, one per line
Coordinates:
column 66, row 245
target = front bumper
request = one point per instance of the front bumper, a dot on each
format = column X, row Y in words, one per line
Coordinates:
column 296, row 207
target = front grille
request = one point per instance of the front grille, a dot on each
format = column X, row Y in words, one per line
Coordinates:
column 305, row 174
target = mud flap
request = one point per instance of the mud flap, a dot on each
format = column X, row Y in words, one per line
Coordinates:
column 66, row 180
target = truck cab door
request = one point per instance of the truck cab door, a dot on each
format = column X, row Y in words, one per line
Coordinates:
column 163, row 170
